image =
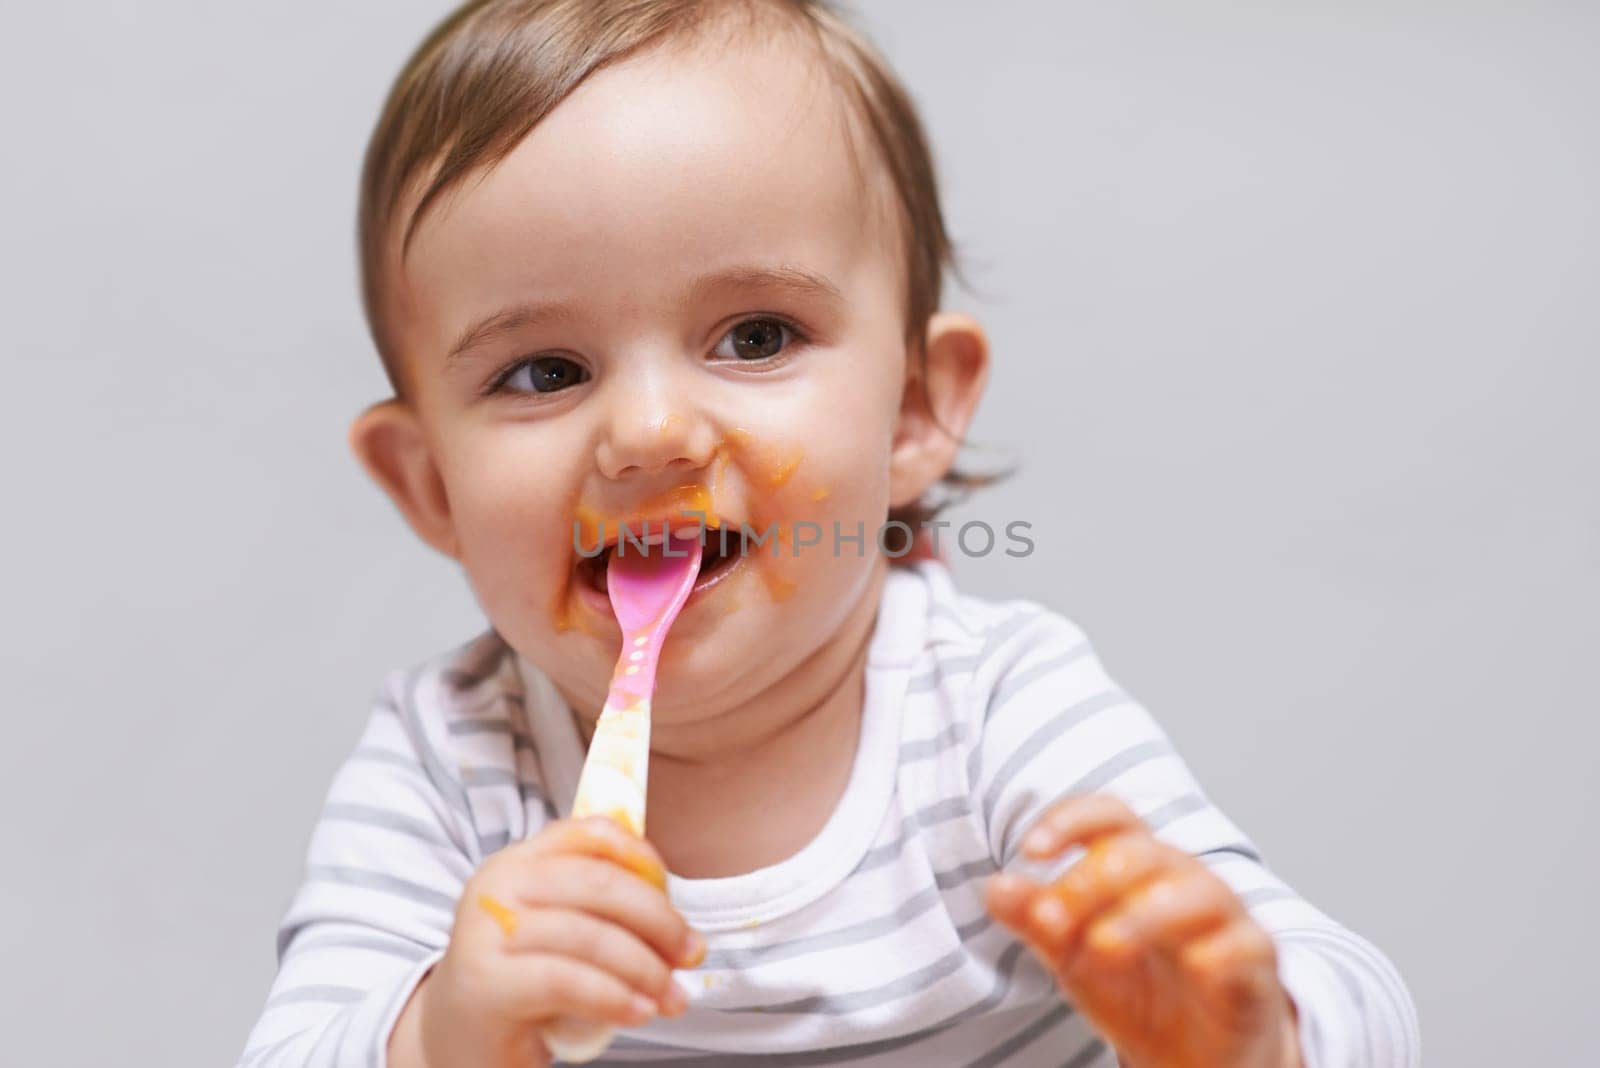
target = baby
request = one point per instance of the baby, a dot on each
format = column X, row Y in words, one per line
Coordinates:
column 628, row 261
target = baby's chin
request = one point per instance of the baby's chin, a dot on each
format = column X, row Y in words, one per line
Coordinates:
column 767, row 648
column 722, row 659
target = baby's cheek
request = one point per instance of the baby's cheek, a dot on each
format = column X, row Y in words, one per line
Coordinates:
column 825, row 497
column 517, row 553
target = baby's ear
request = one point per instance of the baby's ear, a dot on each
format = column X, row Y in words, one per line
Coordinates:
column 389, row 441
column 936, row 408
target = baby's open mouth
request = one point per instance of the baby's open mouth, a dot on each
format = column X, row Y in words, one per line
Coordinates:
column 721, row 551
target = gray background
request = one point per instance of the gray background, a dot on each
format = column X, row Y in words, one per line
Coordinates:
column 1294, row 321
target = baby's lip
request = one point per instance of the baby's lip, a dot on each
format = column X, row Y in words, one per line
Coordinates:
column 650, row 530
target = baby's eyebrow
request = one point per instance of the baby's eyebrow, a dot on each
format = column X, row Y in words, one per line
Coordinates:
column 797, row 281
column 506, row 321
column 791, row 278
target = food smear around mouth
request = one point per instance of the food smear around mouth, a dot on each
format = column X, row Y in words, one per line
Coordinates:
column 784, row 467
column 779, row 587
column 565, row 615
column 500, row 912
column 775, row 465
column 684, row 505
column 703, row 502
column 772, row 557
column 691, row 504
column 722, row 459
column 561, row 612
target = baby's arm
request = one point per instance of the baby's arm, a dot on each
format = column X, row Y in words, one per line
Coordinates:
column 1055, row 726
column 386, row 864
column 405, row 907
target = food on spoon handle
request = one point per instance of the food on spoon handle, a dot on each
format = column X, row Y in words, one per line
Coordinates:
column 615, row 773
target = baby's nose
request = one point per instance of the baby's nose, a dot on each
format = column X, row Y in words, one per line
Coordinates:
column 648, row 432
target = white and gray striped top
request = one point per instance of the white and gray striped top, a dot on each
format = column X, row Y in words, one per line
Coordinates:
column 871, row 945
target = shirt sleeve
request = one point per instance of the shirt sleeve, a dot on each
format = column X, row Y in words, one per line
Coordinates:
column 387, row 861
column 1055, row 724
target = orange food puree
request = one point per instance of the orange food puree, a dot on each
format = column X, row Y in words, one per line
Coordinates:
column 692, row 502
column 780, row 588
column 687, row 502
column 624, row 819
column 502, row 915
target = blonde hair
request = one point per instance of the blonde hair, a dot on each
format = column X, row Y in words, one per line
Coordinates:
column 493, row 69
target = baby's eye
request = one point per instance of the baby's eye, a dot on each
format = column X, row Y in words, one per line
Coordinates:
column 543, row 374
column 755, row 339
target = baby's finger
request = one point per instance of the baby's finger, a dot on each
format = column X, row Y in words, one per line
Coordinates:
column 597, row 836
column 598, row 887
column 1236, row 970
column 1078, row 820
column 612, row 949
column 1008, row 896
column 564, row 986
column 1164, row 914
column 1109, row 871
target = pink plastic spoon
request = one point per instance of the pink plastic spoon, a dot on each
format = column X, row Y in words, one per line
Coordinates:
column 647, row 591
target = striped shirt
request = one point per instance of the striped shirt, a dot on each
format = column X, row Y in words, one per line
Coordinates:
column 870, row 946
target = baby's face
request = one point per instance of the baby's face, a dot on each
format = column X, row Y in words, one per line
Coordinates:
column 673, row 294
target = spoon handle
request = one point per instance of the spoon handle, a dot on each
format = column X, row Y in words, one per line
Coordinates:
column 612, row 784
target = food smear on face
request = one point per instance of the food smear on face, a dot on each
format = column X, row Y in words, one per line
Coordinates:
column 683, row 504
column 686, row 505
column 764, row 467
column 564, row 615
column 772, row 465
column 782, row 468
column 780, row 587
column 501, row 914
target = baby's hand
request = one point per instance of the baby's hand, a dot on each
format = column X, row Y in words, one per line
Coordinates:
column 1156, row 951
column 570, row 923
